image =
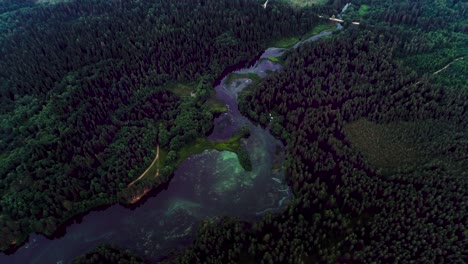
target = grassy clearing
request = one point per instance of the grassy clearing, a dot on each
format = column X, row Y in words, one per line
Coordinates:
column 236, row 76
column 202, row 144
column 215, row 105
column 356, row 13
column 274, row 59
column 184, row 90
column 231, row 145
column 286, row 42
column 319, row 28
column 181, row 89
column 198, row 146
column 290, row 41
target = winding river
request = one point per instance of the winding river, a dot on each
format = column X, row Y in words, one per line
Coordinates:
column 204, row 187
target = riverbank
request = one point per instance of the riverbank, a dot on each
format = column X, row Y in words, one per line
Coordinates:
column 232, row 144
column 114, row 88
column 140, row 193
column 291, row 41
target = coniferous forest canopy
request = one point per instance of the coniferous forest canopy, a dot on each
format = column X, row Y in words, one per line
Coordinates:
column 376, row 136
column 84, row 97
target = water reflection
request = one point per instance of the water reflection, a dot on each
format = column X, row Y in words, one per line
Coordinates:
column 206, row 185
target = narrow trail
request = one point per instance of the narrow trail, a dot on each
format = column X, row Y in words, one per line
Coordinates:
column 445, row 67
column 149, row 167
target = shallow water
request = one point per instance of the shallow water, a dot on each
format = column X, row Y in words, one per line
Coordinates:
column 205, row 186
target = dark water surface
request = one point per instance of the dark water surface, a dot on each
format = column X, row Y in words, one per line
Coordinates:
column 206, row 186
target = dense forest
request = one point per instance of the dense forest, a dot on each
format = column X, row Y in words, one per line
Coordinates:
column 86, row 95
column 352, row 211
column 374, row 120
column 377, row 147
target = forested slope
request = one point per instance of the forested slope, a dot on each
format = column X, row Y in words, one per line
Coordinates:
column 428, row 34
column 337, row 103
column 371, row 216
column 84, row 97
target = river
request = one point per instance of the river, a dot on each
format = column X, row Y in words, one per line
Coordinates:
column 204, row 187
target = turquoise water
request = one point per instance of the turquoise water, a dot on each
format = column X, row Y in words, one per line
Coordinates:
column 205, row 186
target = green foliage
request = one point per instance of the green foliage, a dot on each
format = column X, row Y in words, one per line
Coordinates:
column 290, row 41
column 232, row 144
column 222, row 241
column 319, row 28
column 73, row 109
column 109, row 254
column 286, row 42
column 235, row 76
column 88, row 89
column 454, row 76
column 373, row 194
column 274, row 59
column 363, row 9
column 244, row 159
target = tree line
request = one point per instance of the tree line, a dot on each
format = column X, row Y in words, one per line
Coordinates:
column 346, row 210
column 84, row 98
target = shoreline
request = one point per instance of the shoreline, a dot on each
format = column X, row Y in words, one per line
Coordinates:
column 121, row 200
column 126, row 201
column 77, row 218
